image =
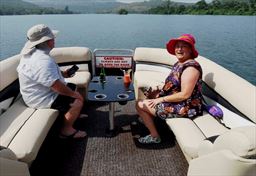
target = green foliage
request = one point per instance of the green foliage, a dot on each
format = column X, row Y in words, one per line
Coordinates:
column 122, row 12
column 18, row 7
column 216, row 7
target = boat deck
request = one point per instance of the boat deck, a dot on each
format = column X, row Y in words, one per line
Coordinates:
column 97, row 155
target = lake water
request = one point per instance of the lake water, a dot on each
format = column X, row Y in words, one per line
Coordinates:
column 228, row 40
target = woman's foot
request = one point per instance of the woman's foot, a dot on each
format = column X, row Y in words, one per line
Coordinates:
column 149, row 140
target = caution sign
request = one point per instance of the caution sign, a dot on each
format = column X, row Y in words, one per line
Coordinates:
column 114, row 61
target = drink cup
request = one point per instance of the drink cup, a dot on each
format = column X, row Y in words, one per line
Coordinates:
column 127, row 80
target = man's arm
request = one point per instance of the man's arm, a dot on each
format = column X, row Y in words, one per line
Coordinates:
column 62, row 89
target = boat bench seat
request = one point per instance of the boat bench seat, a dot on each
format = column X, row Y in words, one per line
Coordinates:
column 23, row 129
column 201, row 138
column 82, row 57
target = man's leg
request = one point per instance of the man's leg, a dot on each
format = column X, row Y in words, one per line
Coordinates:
column 69, row 119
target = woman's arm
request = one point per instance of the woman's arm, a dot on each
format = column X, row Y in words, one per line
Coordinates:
column 189, row 79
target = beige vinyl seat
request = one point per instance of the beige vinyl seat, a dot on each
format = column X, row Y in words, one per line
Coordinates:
column 210, row 147
column 23, row 129
column 82, row 57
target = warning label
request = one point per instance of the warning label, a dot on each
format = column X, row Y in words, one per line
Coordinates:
column 114, row 62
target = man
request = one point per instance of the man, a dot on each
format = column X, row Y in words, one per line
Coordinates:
column 42, row 84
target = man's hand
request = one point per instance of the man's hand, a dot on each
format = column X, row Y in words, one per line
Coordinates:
column 65, row 73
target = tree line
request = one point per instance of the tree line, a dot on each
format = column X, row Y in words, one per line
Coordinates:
column 25, row 11
column 18, row 7
column 216, row 7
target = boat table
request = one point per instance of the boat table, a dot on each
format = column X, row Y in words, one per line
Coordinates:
column 111, row 90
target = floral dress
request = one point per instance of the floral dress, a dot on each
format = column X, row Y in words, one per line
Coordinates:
column 190, row 107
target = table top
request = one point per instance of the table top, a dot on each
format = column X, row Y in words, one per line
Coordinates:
column 111, row 90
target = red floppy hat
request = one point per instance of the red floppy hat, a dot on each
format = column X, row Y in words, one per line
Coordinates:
column 186, row 38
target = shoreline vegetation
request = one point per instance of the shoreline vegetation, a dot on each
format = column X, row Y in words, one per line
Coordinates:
column 167, row 7
column 216, row 7
column 18, row 7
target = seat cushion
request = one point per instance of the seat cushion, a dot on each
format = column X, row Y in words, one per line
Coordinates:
column 30, row 137
column 12, row 121
column 23, row 129
column 81, row 79
column 13, row 167
column 7, row 153
column 241, row 141
column 187, row 134
column 209, row 125
column 148, row 79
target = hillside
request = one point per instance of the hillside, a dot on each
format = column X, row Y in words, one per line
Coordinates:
column 217, row 7
column 79, row 6
column 98, row 6
column 19, row 7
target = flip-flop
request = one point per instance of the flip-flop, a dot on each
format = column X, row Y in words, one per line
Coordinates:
column 72, row 136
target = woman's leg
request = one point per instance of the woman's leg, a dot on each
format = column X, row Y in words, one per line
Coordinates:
column 147, row 114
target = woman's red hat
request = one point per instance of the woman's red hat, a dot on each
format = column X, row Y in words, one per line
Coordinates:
column 186, row 38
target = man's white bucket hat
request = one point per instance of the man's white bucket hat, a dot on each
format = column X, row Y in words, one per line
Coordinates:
column 36, row 35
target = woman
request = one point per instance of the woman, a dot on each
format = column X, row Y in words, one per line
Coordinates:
column 180, row 96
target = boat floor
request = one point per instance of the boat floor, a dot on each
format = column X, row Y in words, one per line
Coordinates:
column 97, row 155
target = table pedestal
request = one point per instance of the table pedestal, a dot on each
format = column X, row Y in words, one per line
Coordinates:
column 112, row 130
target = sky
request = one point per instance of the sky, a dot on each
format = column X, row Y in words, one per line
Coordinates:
column 189, row 1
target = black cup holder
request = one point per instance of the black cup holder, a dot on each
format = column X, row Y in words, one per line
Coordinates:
column 122, row 102
column 119, row 77
column 122, row 96
column 93, row 91
column 95, row 81
column 100, row 96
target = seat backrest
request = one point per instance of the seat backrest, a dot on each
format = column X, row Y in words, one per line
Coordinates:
column 8, row 73
column 9, row 84
column 73, row 55
column 236, row 90
column 154, row 55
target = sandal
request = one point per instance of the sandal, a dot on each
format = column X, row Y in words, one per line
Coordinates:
column 73, row 135
column 83, row 116
column 149, row 140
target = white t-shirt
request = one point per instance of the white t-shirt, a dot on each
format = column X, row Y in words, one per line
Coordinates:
column 37, row 73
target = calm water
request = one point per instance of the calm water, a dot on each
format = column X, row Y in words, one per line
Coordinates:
column 228, row 40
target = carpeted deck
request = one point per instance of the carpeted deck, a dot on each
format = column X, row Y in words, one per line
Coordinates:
column 98, row 155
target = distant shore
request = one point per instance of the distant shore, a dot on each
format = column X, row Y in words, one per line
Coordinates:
column 167, row 7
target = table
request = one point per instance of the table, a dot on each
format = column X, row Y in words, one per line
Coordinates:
column 111, row 90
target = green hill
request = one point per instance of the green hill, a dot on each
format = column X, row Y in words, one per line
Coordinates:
column 99, row 6
column 19, row 7
column 216, row 7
